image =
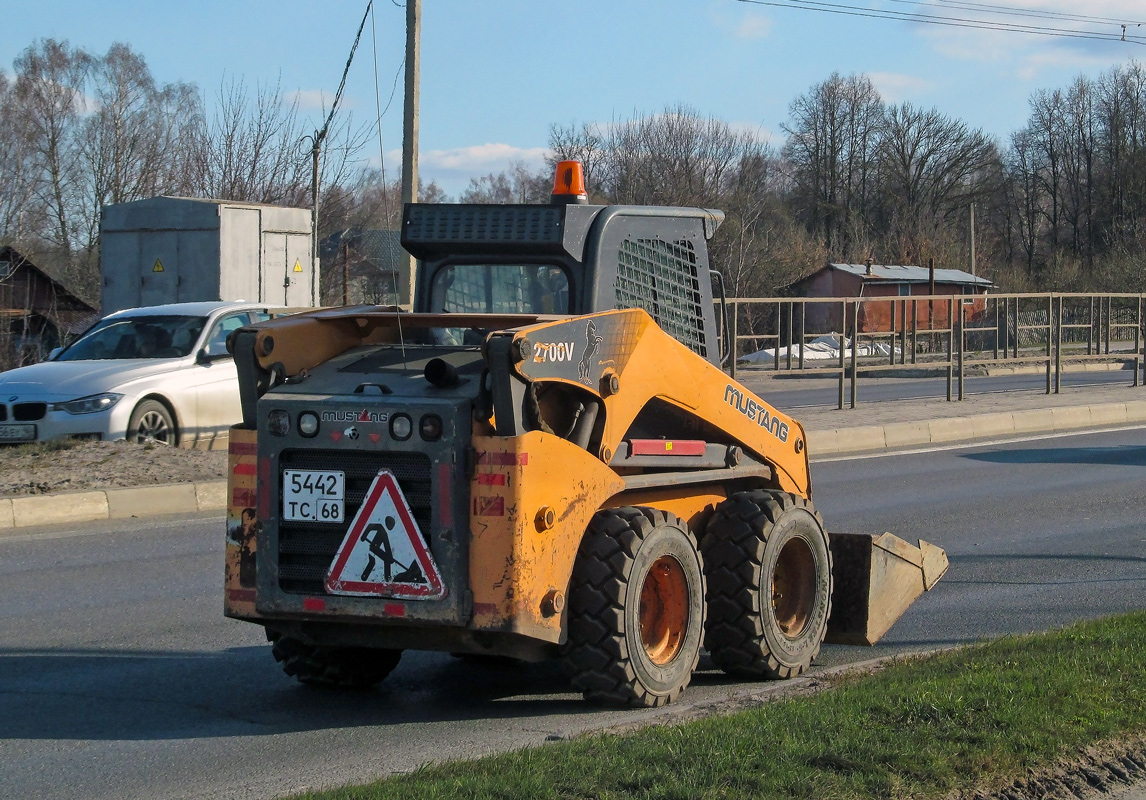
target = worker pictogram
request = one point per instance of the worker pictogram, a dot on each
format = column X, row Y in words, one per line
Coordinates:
column 297, row 265
column 384, row 553
column 158, row 267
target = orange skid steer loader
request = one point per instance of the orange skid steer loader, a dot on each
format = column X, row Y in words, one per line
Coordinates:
column 544, row 460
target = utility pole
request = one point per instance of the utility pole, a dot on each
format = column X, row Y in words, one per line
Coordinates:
column 407, row 263
column 972, row 237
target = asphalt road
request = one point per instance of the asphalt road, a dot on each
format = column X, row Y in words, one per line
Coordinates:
column 798, row 390
column 120, row 677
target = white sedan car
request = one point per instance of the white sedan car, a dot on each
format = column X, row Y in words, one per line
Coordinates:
column 159, row 374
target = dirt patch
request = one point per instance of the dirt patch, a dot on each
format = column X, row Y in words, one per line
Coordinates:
column 1102, row 770
column 53, row 468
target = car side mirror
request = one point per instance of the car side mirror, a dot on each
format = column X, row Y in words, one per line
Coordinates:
column 55, row 351
column 203, row 357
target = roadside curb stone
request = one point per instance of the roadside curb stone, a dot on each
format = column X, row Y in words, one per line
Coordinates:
column 144, row 501
column 824, row 440
column 949, row 430
column 177, row 498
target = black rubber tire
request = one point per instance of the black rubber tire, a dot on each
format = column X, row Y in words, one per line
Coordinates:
column 335, row 667
column 151, row 421
column 605, row 652
column 742, row 546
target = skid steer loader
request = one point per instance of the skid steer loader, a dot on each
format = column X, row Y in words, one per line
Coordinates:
column 545, row 459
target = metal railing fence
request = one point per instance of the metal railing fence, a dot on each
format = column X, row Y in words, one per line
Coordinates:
column 919, row 334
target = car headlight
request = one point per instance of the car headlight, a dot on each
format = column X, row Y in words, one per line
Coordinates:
column 88, row 405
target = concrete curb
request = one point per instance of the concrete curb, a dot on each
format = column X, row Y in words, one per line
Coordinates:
column 187, row 498
column 143, row 501
column 946, row 430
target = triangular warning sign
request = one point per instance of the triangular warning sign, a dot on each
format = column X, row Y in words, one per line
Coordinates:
column 383, row 553
column 297, row 265
column 158, row 266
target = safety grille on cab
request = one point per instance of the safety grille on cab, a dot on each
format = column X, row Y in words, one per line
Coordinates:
column 306, row 549
column 661, row 277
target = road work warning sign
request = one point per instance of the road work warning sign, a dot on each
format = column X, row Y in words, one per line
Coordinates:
column 384, row 553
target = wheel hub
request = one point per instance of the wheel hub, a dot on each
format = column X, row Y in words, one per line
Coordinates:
column 794, row 587
column 664, row 610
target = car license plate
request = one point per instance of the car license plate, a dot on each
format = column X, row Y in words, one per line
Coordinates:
column 313, row 496
column 18, row 433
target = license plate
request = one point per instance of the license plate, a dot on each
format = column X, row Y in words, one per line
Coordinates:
column 18, row 433
column 313, row 496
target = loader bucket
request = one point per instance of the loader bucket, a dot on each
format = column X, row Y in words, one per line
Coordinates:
column 877, row 578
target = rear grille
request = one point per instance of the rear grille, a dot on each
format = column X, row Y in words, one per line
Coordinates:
column 306, row 550
column 29, row 412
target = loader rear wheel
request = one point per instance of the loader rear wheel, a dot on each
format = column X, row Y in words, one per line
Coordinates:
column 636, row 608
column 769, row 573
column 336, row 667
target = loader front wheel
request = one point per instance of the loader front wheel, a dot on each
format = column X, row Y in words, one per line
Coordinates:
column 335, row 667
column 636, row 608
column 769, row 573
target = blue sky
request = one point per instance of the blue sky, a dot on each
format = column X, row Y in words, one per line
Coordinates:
column 497, row 73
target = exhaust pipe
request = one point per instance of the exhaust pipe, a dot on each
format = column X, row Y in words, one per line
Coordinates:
column 877, row 578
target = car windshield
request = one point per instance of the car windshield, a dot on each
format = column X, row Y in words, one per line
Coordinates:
column 167, row 336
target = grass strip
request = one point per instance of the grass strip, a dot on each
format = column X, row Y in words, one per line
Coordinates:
column 922, row 728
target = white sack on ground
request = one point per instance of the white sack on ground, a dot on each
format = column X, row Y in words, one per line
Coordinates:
column 822, row 348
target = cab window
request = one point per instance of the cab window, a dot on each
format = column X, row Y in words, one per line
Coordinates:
column 500, row 289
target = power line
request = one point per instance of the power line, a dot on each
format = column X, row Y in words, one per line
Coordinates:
column 1030, row 12
column 955, row 22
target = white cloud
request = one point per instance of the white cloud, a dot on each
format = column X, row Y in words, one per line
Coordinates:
column 1035, row 52
column 1032, row 65
column 753, row 26
column 315, row 99
column 743, row 23
column 896, row 87
column 452, row 169
column 482, row 158
column 764, row 134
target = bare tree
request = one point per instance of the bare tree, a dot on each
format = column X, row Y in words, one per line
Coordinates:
column 250, row 148
column 931, row 167
column 16, row 167
column 50, row 80
column 515, row 185
column 832, row 139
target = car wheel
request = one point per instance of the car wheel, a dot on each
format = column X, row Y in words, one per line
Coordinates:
column 151, row 422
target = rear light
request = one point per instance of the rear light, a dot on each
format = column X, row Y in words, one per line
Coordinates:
column 308, row 424
column 278, row 423
column 401, row 427
column 431, row 427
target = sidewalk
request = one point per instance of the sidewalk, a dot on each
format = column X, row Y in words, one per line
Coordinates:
column 870, row 427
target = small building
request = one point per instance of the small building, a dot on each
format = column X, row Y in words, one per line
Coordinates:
column 179, row 249
column 37, row 313
column 888, row 281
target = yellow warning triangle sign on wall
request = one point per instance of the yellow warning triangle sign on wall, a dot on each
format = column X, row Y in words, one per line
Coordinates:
column 158, row 266
column 297, row 265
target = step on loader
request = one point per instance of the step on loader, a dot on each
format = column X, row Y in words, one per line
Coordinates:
column 544, row 459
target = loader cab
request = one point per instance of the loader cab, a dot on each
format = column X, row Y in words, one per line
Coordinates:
column 568, row 257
